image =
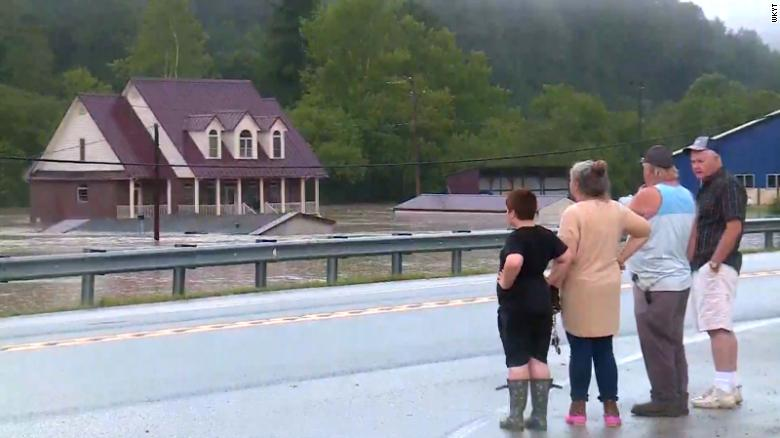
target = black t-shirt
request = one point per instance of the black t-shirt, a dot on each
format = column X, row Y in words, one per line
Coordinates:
column 530, row 292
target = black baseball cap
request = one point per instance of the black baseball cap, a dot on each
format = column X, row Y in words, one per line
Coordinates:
column 702, row 143
column 659, row 156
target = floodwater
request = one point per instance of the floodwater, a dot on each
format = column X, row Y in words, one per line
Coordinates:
column 18, row 238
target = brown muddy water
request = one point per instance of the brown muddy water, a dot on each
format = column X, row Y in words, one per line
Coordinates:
column 18, row 238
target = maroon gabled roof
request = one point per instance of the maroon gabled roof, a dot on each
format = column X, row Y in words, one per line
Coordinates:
column 198, row 122
column 125, row 133
column 173, row 102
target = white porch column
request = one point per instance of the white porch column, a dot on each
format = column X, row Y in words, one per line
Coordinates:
column 284, row 195
column 132, row 198
column 219, row 197
column 170, row 198
column 140, row 196
column 303, row 195
column 197, row 196
column 317, row 196
column 262, row 195
column 239, row 198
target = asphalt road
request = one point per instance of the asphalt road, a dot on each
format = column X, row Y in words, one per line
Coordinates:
column 410, row 359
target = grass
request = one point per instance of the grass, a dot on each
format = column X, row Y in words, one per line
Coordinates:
column 116, row 301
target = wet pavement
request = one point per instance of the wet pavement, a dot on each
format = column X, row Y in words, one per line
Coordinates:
column 408, row 359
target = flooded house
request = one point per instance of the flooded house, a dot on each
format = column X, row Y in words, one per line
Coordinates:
column 224, row 150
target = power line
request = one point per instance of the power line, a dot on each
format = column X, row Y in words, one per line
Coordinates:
column 572, row 150
column 355, row 166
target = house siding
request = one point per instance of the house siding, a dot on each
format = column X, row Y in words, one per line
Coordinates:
column 64, row 145
column 53, row 201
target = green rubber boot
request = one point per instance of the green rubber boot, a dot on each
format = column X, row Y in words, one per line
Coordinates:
column 540, row 393
column 518, row 396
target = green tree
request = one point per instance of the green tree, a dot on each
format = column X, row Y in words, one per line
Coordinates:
column 25, row 56
column 399, row 74
column 26, row 122
column 284, row 50
column 171, row 43
column 80, row 80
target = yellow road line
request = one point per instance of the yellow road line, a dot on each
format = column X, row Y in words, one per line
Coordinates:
column 322, row 316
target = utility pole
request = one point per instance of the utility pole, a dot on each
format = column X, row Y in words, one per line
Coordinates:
column 415, row 143
column 156, row 183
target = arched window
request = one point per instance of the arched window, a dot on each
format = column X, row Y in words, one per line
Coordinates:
column 278, row 151
column 213, row 144
column 245, row 144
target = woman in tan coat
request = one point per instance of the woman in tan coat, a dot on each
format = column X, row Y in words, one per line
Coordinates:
column 590, row 293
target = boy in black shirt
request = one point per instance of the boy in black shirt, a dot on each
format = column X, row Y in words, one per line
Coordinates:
column 525, row 309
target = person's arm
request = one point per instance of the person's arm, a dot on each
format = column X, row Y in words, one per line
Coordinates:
column 727, row 242
column 636, row 226
column 569, row 234
column 512, row 266
column 646, row 203
column 692, row 240
column 560, row 268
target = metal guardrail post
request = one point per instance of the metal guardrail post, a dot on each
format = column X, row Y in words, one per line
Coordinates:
column 332, row 270
column 88, row 283
column 769, row 240
column 88, row 290
column 397, row 265
column 261, row 275
column 457, row 262
column 179, row 276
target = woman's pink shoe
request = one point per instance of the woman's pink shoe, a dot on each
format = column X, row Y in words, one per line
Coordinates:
column 577, row 415
column 612, row 414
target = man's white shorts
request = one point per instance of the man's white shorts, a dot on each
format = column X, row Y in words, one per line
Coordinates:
column 712, row 296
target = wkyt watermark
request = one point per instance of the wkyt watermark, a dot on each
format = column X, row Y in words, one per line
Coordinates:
column 774, row 13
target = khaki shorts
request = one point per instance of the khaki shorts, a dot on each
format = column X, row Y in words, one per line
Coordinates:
column 712, row 296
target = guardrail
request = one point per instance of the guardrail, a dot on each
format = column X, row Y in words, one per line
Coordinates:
column 264, row 251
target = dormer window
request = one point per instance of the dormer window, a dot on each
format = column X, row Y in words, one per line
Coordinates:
column 278, row 149
column 213, row 144
column 245, row 144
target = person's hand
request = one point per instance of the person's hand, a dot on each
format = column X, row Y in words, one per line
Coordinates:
column 500, row 277
column 714, row 266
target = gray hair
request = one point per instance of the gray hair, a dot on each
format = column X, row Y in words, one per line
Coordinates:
column 591, row 177
column 660, row 172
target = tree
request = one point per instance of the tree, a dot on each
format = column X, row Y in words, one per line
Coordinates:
column 26, row 122
column 171, row 43
column 398, row 76
column 80, row 80
column 25, row 57
column 284, row 50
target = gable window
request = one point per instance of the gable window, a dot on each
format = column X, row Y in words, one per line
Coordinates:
column 747, row 180
column 245, row 144
column 278, row 150
column 213, row 144
column 82, row 150
column 82, row 194
column 772, row 180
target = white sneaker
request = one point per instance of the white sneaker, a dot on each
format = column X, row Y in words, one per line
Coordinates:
column 716, row 398
column 738, row 394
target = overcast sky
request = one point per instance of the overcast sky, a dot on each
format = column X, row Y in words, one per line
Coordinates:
column 750, row 14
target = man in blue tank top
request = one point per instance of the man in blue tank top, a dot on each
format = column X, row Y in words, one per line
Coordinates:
column 661, row 275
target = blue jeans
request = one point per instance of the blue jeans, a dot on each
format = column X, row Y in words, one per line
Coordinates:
column 598, row 352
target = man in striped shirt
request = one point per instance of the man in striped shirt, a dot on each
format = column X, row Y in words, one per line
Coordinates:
column 716, row 261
